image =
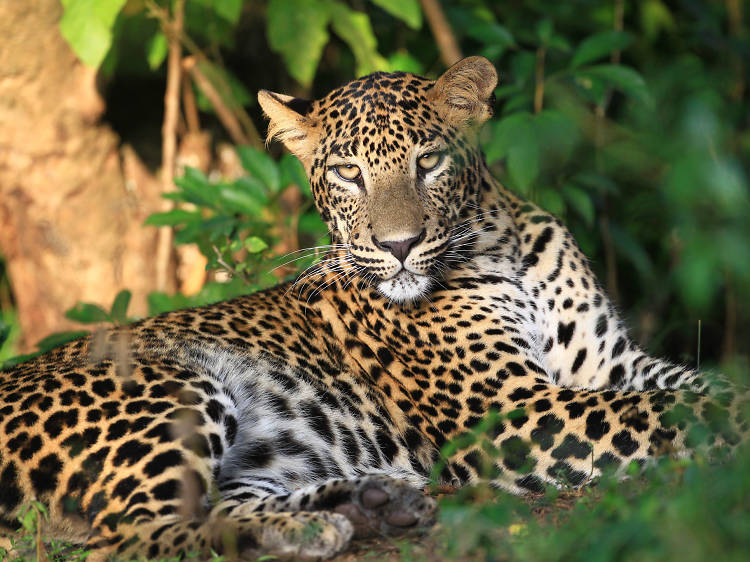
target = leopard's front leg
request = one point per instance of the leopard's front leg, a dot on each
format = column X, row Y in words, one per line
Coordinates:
column 375, row 504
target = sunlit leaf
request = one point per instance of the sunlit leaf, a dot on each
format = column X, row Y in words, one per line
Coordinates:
column 297, row 31
column 156, row 50
column 407, row 10
column 195, row 188
column 87, row 313
column 355, row 29
column 655, row 17
column 230, row 10
column 254, row 245
column 87, row 26
column 404, row 62
column 173, row 217
column 241, row 200
column 119, row 310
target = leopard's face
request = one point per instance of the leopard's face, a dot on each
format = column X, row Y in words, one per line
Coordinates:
column 394, row 168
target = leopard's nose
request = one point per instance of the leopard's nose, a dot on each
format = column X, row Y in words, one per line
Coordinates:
column 399, row 248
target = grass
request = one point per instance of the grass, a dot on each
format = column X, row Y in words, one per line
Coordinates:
column 686, row 510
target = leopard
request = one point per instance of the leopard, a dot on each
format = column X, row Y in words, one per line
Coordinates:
column 296, row 419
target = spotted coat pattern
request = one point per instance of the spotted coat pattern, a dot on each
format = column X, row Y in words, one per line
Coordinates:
column 293, row 419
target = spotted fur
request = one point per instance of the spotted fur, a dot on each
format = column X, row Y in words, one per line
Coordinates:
column 293, row 419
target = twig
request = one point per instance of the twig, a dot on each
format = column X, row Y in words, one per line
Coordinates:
column 231, row 270
column 734, row 13
column 240, row 114
column 224, row 114
column 539, row 79
column 450, row 53
column 189, row 106
column 601, row 112
column 169, row 135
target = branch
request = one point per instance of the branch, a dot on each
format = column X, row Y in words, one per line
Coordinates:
column 169, row 135
column 240, row 115
column 189, row 106
column 539, row 80
column 225, row 115
column 450, row 53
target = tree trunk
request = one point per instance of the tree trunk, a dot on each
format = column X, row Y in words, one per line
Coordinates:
column 71, row 205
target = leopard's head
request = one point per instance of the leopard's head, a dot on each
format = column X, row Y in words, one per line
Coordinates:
column 395, row 168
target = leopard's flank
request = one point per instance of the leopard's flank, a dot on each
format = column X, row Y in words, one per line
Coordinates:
column 294, row 419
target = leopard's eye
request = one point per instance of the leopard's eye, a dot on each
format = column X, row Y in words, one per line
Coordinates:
column 430, row 160
column 348, row 172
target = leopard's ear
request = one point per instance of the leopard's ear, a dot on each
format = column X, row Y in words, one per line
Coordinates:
column 289, row 122
column 464, row 92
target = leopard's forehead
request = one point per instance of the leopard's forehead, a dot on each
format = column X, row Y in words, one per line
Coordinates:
column 379, row 114
column 378, row 91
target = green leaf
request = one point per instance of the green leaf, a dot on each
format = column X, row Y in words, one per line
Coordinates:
column 156, row 50
column 504, row 134
column 544, row 31
column 87, row 313
column 311, row 223
column 523, row 160
column 293, row 173
column 404, row 62
column 623, row 78
column 255, row 245
column 559, row 42
column 230, row 10
column 242, row 201
column 655, row 17
column 491, row 33
column 551, row 201
column 261, row 166
column 355, row 29
column 600, row 45
column 4, row 332
column 56, row 340
column 87, row 26
column 119, row 311
column 175, row 217
column 557, row 134
column 405, row 10
column 515, row 139
column 627, row 245
column 297, row 31
column 195, row 188
column 231, row 90
column 580, row 201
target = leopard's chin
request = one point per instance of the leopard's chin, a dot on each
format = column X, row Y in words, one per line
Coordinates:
column 406, row 287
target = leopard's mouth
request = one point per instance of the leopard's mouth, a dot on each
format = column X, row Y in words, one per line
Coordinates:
column 406, row 286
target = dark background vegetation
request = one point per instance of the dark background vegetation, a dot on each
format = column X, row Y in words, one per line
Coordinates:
column 628, row 119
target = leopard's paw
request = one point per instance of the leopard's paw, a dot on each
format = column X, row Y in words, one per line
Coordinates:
column 380, row 505
column 299, row 536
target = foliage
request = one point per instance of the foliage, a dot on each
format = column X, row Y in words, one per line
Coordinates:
column 675, row 510
column 236, row 224
column 629, row 120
